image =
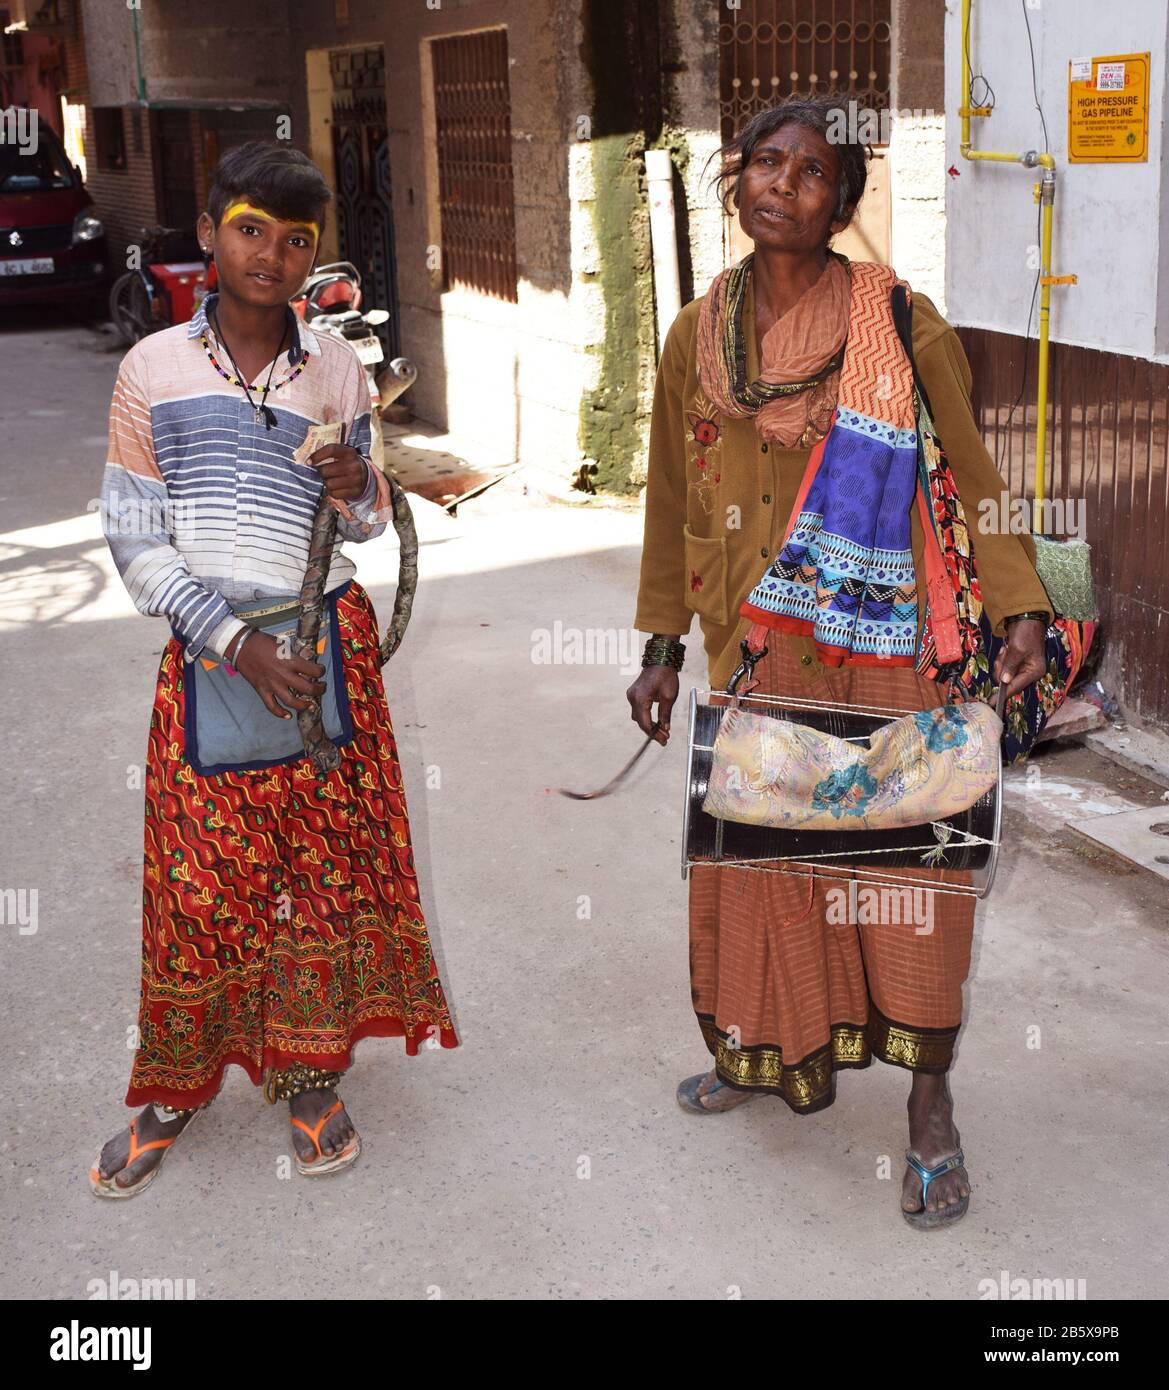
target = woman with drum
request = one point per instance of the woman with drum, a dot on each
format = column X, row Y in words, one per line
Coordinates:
column 792, row 351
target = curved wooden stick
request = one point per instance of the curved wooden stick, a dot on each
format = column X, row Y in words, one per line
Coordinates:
column 613, row 782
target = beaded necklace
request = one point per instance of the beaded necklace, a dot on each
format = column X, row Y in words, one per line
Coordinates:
column 264, row 415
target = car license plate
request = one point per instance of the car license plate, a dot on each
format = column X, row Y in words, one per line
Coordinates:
column 44, row 266
column 369, row 350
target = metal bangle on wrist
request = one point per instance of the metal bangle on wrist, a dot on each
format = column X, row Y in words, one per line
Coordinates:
column 231, row 660
column 1018, row 617
column 664, row 651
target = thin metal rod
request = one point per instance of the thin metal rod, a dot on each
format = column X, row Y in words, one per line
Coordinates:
column 957, row 890
column 806, row 702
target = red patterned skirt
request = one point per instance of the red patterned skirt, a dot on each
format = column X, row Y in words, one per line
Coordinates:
column 281, row 917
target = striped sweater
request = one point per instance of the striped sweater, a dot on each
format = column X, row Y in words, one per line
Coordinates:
column 203, row 507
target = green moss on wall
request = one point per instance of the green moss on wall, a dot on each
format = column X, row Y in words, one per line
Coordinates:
column 612, row 416
column 626, row 47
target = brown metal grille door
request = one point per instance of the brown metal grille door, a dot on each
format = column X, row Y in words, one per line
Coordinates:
column 771, row 49
column 472, row 104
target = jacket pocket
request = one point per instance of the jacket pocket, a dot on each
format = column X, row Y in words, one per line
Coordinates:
column 706, row 576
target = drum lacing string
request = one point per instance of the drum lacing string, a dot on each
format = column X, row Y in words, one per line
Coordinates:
column 930, row 885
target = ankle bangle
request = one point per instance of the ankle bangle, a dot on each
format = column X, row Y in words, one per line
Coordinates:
column 167, row 1114
column 295, row 1080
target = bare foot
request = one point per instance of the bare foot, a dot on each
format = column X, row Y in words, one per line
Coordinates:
column 933, row 1137
column 115, row 1154
column 308, row 1107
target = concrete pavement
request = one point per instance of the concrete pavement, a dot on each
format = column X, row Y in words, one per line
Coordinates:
column 545, row 1157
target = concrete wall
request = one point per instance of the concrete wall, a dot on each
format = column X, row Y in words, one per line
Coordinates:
column 123, row 198
column 1107, row 217
column 564, row 377
column 917, row 147
column 215, row 50
column 692, row 109
column 506, row 376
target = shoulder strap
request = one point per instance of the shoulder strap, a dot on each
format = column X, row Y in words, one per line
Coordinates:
column 938, row 581
column 903, row 322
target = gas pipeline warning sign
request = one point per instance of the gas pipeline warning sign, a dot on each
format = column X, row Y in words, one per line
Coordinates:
column 1108, row 109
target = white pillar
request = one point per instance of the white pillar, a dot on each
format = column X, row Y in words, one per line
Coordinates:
column 663, row 236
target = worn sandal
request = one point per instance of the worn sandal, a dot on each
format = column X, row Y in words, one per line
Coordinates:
column 321, row 1164
column 925, row 1220
column 691, row 1101
column 108, row 1187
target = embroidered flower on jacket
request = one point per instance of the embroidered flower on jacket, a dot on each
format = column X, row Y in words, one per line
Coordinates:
column 702, row 447
column 695, row 581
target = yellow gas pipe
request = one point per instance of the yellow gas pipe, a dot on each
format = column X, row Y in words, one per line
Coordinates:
column 1045, row 195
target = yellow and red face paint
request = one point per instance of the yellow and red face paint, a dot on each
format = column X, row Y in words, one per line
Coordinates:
column 243, row 208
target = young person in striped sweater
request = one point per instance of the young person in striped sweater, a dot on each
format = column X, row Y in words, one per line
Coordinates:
column 281, row 918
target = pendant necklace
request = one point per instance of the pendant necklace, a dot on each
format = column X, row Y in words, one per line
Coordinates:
column 264, row 414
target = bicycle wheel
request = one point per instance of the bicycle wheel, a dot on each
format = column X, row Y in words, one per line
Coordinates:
column 130, row 308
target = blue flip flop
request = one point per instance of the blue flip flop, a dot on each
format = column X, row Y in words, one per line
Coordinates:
column 925, row 1220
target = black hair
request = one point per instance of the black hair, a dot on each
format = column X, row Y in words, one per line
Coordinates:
column 817, row 113
column 276, row 177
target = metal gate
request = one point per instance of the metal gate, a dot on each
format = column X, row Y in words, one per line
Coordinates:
column 770, row 49
column 361, row 157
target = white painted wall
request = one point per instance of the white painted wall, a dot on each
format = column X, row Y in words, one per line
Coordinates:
column 917, row 186
column 1107, row 217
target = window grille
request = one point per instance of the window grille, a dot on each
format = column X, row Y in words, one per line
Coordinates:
column 472, row 105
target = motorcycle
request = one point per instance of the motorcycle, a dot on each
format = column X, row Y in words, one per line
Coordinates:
column 330, row 302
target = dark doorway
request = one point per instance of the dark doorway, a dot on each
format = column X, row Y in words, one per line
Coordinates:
column 177, row 202
column 361, row 155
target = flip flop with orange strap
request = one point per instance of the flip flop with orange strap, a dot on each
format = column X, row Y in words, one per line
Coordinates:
column 108, row 1187
column 321, row 1164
